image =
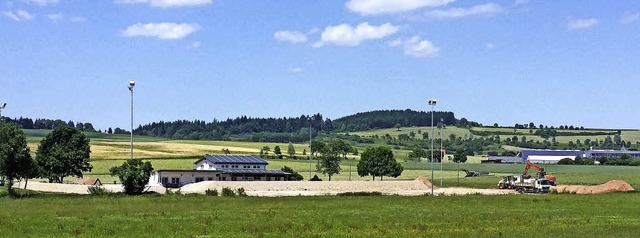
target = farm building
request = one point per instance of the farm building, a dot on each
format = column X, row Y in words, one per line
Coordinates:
column 219, row 168
column 553, row 156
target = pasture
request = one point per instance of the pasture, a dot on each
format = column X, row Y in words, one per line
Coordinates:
column 554, row 215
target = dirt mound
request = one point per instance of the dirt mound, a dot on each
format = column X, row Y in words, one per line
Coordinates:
column 608, row 187
column 425, row 181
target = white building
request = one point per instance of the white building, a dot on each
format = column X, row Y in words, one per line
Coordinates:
column 219, row 168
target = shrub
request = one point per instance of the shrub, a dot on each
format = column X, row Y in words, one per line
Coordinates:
column 315, row 178
column 98, row 191
column 241, row 193
column 227, row 192
column 210, row 192
column 566, row 161
column 359, row 194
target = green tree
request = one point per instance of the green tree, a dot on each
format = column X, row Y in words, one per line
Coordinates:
column 295, row 176
column 337, row 146
column 133, row 174
column 63, row 152
column 378, row 161
column 15, row 157
column 398, row 126
column 276, row 150
column 317, row 147
column 266, row 149
column 329, row 165
column 290, row 150
column 460, row 156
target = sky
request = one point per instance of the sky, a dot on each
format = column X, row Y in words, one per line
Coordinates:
column 570, row 62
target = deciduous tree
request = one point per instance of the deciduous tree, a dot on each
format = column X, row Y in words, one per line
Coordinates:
column 133, row 174
column 378, row 161
column 15, row 158
column 63, row 152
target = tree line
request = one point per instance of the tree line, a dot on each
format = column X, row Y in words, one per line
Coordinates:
column 291, row 129
column 49, row 124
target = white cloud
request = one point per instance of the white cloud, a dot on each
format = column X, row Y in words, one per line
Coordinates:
column 296, row 70
column 77, row 19
column 19, row 15
column 374, row 7
column 290, row 36
column 576, row 24
column 417, row 47
column 42, row 2
column 629, row 18
column 163, row 30
column 55, row 16
column 488, row 9
column 168, row 3
column 521, row 2
column 490, row 46
column 194, row 45
column 346, row 35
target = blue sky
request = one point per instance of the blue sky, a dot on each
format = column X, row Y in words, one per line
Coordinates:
column 550, row 62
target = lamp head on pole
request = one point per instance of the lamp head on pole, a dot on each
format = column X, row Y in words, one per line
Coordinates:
column 131, row 84
column 432, row 102
column 3, row 105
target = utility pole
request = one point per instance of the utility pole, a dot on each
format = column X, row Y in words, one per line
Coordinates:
column 131, row 85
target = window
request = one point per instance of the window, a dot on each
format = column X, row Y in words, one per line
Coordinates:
column 165, row 180
column 210, row 178
column 199, row 179
column 175, row 180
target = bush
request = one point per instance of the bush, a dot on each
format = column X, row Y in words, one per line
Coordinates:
column 134, row 175
column 98, row 191
column 315, row 178
column 210, row 192
column 227, row 192
column 241, row 193
column 566, row 161
column 359, row 194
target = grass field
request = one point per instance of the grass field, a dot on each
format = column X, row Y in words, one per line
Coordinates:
column 610, row 215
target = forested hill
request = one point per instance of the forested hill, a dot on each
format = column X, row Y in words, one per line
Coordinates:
column 391, row 118
column 293, row 129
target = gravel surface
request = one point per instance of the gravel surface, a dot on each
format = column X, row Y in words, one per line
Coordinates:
column 418, row 187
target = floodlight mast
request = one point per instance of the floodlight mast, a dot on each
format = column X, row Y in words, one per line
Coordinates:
column 131, row 85
column 432, row 103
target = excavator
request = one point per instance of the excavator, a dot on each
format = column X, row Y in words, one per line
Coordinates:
column 541, row 173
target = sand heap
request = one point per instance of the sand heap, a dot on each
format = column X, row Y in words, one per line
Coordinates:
column 608, row 187
column 426, row 182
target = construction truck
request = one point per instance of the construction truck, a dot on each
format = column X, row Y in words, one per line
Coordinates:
column 524, row 184
column 541, row 174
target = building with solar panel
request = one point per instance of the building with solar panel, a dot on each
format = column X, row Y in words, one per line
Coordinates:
column 219, row 168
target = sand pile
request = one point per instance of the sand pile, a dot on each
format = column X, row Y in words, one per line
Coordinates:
column 608, row 187
column 426, row 182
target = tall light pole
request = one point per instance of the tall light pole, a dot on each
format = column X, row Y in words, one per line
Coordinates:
column 441, row 152
column 4, row 104
column 432, row 103
column 131, row 85
column 310, row 147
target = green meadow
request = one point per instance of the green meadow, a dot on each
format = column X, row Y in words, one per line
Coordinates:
column 553, row 215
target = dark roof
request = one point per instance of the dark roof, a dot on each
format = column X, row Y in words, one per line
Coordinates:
column 254, row 171
column 234, row 159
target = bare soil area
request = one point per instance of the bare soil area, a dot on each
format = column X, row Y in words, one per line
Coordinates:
column 418, row 187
